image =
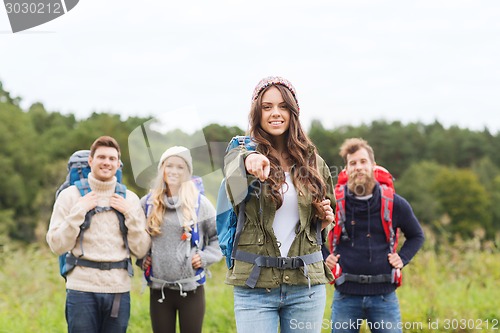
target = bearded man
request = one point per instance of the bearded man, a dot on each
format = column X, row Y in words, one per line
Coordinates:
column 367, row 290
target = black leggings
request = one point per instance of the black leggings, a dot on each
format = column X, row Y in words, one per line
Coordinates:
column 191, row 310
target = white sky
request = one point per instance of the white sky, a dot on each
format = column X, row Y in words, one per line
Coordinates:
column 351, row 61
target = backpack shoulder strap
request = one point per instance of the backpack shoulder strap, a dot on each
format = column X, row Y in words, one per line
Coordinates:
column 83, row 186
column 387, row 206
column 340, row 203
column 148, row 204
column 339, row 228
column 386, row 209
column 121, row 189
column 195, row 235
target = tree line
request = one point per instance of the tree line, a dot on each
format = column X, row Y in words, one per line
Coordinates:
column 449, row 175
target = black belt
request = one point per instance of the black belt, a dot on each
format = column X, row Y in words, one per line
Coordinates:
column 364, row 279
column 102, row 265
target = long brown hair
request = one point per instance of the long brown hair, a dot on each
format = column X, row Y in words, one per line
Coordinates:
column 301, row 151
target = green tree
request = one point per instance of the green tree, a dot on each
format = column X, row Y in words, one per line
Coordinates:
column 5, row 97
column 219, row 133
column 441, row 146
column 19, row 162
column 486, row 171
column 495, row 208
column 464, row 200
column 52, row 129
column 396, row 146
column 417, row 186
column 328, row 144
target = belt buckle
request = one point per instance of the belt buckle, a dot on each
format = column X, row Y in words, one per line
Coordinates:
column 365, row 279
column 285, row 263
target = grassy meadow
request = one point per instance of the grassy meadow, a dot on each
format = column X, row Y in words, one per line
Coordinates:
column 453, row 290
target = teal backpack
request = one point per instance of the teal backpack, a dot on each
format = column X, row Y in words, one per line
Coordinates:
column 229, row 224
column 78, row 170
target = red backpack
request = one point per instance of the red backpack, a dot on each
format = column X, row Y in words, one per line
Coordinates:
column 387, row 190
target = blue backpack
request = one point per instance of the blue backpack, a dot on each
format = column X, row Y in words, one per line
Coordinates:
column 229, row 224
column 78, row 171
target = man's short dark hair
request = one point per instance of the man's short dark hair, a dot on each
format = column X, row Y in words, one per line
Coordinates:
column 104, row 141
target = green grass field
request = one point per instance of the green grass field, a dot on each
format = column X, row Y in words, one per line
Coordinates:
column 456, row 290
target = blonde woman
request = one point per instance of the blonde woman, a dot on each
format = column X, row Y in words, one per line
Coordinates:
column 181, row 222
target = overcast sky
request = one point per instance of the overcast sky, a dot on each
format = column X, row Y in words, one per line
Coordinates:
column 351, row 61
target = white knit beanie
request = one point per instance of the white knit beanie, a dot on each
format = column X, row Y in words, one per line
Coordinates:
column 179, row 151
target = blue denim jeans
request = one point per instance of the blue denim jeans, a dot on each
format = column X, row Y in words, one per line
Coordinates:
column 293, row 308
column 91, row 312
column 380, row 311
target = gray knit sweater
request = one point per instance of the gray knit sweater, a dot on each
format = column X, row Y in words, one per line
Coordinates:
column 171, row 256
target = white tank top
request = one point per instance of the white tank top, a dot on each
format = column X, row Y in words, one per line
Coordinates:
column 287, row 216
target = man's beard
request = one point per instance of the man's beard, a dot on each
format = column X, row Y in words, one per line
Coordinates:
column 361, row 187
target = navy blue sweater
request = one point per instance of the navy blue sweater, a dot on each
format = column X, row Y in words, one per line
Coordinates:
column 367, row 255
